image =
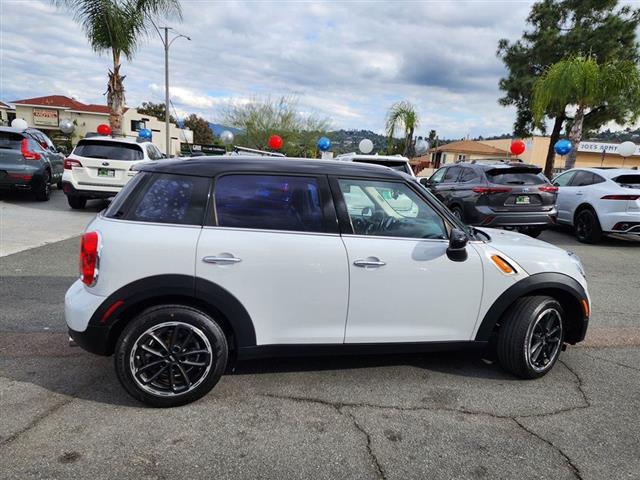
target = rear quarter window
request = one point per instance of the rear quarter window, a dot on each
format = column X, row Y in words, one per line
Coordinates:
column 162, row 198
column 109, row 150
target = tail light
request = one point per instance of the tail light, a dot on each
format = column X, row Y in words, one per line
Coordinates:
column 26, row 153
column 89, row 258
column 621, row 197
column 548, row 189
column 490, row 190
column 69, row 163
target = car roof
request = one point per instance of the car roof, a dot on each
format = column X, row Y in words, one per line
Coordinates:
column 13, row 130
column 361, row 156
column 608, row 172
column 492, row 166
column 213, row 165
column 115, row 139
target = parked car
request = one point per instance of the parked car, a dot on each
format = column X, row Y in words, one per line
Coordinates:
column 501, row 194
column 29, row 161
column 197, row 262
column 396, row 162
column 599, row 201
column 99, row 167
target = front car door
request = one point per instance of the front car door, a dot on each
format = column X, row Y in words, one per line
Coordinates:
column 272, row 242
column 445, row 190
column 403, row 287
column 566, row 195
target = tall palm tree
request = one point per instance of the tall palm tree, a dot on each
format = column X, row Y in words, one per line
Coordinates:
column 402, row 115
column 587, row 85
column 118, row 26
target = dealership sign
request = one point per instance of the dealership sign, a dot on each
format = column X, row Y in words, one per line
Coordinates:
column 599, row 147
column 45, row 116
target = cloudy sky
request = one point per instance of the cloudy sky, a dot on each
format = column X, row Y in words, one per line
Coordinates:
column 345, row 61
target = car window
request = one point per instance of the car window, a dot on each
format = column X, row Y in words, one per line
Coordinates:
column 392, row 210
column 582, row 179
column 451, row 175
column 437, row 177
column 153, row 152
column 109, row 150
column 269, row 202
column 399, row 166
column 597, row 179
column 507, row 177
column 10, row 141
column 628, row 180
column 564, row 179
column 468, row 175
column 165, row 198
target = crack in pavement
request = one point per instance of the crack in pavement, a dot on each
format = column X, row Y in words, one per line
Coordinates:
column 370, row 451
column 574, row 468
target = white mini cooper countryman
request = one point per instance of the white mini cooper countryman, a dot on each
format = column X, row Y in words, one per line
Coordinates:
column 203, row 261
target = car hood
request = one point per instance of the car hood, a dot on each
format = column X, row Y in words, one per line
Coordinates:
column 535, row 256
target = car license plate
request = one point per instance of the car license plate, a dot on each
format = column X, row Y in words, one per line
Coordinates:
column 523, row 200
column 106, row 172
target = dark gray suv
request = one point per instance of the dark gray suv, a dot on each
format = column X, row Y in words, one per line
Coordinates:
column 29, row 161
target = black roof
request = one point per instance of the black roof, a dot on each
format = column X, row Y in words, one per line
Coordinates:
column 213, row 165
column 493, row 166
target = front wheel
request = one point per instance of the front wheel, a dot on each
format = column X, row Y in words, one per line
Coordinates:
column 171, row 355
column 531, row 336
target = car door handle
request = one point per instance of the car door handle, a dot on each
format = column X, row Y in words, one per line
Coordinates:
column 369, row 263
column 221, row 260
column 579, row 193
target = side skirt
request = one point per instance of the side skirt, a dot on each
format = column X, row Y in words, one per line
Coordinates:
column 314, row 350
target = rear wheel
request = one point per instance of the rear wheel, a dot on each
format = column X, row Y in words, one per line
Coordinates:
column 77, row 203
column 531, row 336
column 533, row 232
column 457, row 212
column 43, row 187
column 587, row 227
column 171, row 355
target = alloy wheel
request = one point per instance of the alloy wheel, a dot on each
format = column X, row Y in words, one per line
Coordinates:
column 584, row 225
column 545, row 340
column 171, row 358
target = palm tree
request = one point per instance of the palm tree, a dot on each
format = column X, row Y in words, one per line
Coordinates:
column 587, row 85
column 402, row 115
column 118, row 26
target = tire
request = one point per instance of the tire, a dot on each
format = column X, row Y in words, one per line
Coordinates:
column 530, row 322
column 587, row 226
column 174, row 379
column 59, row 184
column 534, row 232
column 457, row 212
column 77, row 203
column 43, row 187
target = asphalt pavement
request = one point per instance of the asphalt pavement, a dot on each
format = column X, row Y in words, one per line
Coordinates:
column 447, row 415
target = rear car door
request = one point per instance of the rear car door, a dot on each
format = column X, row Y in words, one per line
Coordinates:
column 565, row 196
column 272, row 242
column 575, row 193
column 105, row 163
column 403, row 286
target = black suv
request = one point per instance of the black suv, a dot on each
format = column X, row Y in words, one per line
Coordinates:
column 502, row 194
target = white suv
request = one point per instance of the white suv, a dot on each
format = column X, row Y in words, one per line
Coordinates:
column 197, row 262
column 396, row 162
column 98, row 167
column 598, row 201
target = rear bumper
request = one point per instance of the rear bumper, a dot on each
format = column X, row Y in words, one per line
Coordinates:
column 70, row 191
column 489, row 218
column 79, row 307
column 24, row 179
column 626, row 223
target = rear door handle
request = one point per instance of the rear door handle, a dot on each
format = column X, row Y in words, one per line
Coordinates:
column 221, row 260
column 369, row 263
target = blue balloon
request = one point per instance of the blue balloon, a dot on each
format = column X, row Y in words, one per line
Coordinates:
column 145, row 134
column 562, row 147
column 324, row 144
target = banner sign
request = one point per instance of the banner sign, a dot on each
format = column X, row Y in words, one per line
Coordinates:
column 599, row 147
column 45, row 116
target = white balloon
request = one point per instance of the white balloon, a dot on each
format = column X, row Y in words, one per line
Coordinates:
column 66, row 126
column 626, row 149
column 226, row 137
column 365, row 146
column 422, row 146
column 19, row 123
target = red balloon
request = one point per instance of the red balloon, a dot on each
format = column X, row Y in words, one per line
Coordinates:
column 275, row 142
column 517, row 147
column 104, row 129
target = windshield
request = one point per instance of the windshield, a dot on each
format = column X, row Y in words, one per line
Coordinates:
column 109, row 150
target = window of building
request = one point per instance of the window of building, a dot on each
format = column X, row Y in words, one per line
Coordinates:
column 461, row 157
column 137, row 125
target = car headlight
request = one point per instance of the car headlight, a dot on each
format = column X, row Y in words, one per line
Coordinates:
column 576, row 259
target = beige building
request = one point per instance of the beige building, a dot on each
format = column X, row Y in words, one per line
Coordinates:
column 46, row 113
column 7, row 113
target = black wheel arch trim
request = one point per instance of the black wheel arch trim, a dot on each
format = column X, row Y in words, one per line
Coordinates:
column 143, row 293
column 540, row 283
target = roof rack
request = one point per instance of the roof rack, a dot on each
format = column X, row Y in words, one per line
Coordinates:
column 253, row 151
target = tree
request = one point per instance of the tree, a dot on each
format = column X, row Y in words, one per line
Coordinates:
column 155, row 110
column 590, row 86
column 261, row 118
column 558, row 30
column 402, row 115
column 118, row 26
column 202, row 133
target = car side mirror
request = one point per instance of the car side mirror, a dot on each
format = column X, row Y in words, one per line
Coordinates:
column 457, row 250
